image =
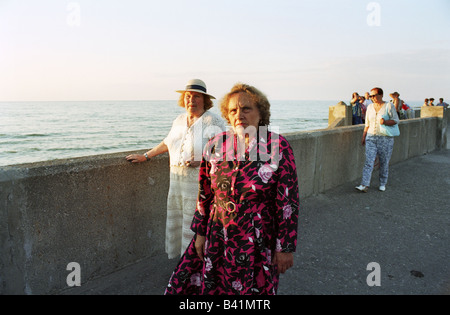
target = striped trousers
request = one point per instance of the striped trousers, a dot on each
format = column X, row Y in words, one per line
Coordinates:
column 181, row 204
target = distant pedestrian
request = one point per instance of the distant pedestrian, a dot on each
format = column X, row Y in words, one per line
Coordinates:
column 363, row 108
column 356, row 109
column 442, row 103
column 426, row 102
column 407, row 111
column 367, row 102
column 398, row 103
column 431, row 101
column 375, row 142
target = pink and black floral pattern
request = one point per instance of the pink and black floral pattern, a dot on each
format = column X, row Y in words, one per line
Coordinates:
column 248, row 209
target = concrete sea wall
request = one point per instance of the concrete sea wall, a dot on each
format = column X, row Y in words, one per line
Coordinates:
column 105, row 213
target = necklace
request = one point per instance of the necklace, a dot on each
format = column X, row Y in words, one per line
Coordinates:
column 191, row 119
column 377, row 106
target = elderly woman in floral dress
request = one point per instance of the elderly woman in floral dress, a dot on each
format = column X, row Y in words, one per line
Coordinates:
column 245, row 222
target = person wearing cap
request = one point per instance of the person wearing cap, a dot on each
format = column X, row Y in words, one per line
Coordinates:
column 246, row 219
column 185, row 142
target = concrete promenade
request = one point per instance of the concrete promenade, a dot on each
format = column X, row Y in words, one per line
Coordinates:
column 406, row 230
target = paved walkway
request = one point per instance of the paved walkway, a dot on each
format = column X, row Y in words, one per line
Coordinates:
column 406, row 230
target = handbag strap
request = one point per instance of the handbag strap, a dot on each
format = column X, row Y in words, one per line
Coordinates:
column 387, row 110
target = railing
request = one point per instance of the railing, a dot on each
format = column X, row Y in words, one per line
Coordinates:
column 105, row 213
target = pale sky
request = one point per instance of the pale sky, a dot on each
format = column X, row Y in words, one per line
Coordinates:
column 57, row 50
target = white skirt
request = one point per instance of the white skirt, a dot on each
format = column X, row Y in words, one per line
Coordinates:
column 181, row 204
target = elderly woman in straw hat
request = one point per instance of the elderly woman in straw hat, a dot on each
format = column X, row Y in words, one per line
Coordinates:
column 185, row 142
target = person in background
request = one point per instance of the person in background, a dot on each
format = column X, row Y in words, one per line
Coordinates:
column 404, row 111
column 407, row 111
column 185, row 142
column 363, row 108
column 425, row 103
column 398, row 103
column 246, row 219
column 375, row 142
column 431, row 101
column 356, row 109
column 367, row 102
column 442, row 103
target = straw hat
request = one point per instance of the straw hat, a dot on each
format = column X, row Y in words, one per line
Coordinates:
column 196, row 85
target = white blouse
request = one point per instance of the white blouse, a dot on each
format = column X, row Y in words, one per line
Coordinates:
column 187, row 143
column 373, row 118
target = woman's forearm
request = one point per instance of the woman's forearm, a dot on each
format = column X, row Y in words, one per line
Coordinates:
column 159, row 149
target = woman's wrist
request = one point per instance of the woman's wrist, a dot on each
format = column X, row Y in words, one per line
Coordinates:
column 146, row 156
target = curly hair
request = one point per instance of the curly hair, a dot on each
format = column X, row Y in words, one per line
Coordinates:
column 206, row 99
column 260, row 99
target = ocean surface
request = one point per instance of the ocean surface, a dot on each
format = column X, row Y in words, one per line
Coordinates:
column 42, row 131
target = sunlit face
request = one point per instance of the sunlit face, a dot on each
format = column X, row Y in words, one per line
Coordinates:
column 194, row 103
column 375, row 97
column 243, row 112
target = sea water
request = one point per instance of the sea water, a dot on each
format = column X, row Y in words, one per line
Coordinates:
column 42, row 131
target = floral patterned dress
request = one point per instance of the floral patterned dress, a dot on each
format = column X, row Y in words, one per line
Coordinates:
column 248, row 209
